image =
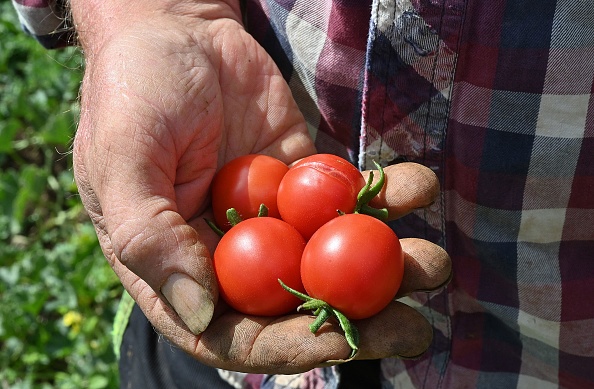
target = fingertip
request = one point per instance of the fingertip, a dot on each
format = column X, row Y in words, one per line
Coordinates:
column 427, row 266
column 424, row 336
column 398, row 330
column 192, row 302
column 408, row 186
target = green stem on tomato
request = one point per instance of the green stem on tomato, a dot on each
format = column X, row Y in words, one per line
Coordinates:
column 263, row 210
column 233, row 217
column 378, row 213
column 365, row 195
column 323, row 314
column 323, row 311
column 214, row 227
column 368, row 192
column 380, row 182
column 351, row 332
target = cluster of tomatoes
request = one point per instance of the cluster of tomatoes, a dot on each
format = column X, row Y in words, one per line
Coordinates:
column 303, row 233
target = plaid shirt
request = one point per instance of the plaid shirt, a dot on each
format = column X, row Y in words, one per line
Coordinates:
column 497, row 98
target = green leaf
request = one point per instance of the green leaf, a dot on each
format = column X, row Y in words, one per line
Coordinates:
column 351, row 332
column 7, row 133
column 98, row 382
column 50, row 259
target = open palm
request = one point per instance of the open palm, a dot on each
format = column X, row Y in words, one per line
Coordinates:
column 161, row 111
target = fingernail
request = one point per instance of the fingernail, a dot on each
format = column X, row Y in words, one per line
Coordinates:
column 334, row 362
column 190, row 300
column 439, row 288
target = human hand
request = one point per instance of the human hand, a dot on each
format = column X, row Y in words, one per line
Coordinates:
column 171, row 92
column 169, row 95
column 285, row 344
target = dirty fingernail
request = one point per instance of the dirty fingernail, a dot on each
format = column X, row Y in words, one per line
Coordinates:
column 191, row 301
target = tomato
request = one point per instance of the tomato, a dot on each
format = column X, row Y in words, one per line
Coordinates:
column 244, row 183
column 249, row 260
column 355, row 264
column 313, row 191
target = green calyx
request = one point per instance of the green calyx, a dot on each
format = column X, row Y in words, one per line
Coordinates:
column 235, row 218
column 368, row 192
column 323, row 311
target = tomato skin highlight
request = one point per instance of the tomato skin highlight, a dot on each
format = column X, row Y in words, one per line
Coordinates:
column 354, row 263
column 313, row 191
column 244, row 183
column 249, row 260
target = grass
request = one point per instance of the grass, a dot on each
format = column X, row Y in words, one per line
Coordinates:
column 58, row 296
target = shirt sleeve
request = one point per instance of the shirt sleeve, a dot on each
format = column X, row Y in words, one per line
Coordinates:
column 47, row 21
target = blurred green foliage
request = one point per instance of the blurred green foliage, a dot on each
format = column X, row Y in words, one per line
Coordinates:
column 58, row 296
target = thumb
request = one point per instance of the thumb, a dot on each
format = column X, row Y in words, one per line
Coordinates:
column 142, row 234
column 168, row 255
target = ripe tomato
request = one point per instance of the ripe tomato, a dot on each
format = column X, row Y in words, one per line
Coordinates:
column 249, row 260
column 315, row 188
column 355, row 264
column 244, row 183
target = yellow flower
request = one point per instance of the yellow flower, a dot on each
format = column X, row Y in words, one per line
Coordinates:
column 72, row 319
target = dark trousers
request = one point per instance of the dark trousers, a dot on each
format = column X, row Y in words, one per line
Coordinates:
column 148, row 362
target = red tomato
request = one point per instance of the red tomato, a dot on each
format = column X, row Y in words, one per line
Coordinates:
column 249, row 260
column 244, row 183
column 315, row 189
column 355, row 264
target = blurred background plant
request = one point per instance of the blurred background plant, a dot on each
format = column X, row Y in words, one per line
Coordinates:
column 58, row 296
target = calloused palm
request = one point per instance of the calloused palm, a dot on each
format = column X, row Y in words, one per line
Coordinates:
column 162, row 109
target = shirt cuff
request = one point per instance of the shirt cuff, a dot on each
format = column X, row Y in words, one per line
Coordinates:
column 47, row 21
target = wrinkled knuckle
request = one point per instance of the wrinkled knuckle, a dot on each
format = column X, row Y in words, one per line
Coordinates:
column 80, row 151
column 130, row 246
